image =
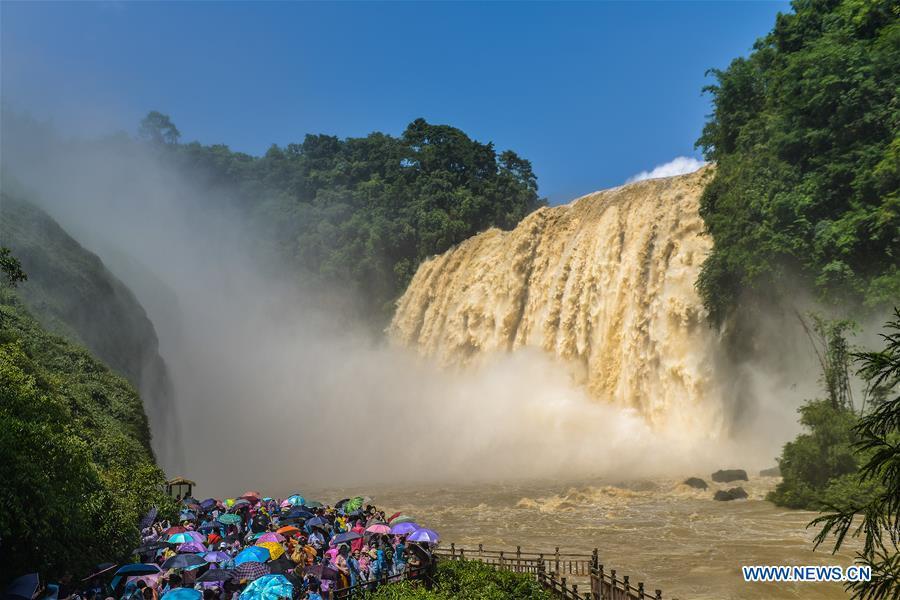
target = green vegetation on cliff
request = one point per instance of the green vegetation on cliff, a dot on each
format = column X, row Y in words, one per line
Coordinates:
column 806, row 134
column 363, row 212
column 77, row 469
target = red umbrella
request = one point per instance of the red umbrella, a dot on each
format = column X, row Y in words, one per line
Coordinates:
column 394, row 516
column 173, row 530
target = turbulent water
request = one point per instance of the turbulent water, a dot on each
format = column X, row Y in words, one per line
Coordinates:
column 657, row 531
column 606, row 283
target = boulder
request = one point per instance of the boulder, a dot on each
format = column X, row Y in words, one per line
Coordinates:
column 735, row 493
column 726, row 475
column 773, row 472
column 696, row 483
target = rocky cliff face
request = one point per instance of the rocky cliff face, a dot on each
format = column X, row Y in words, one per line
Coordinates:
column 606, row 283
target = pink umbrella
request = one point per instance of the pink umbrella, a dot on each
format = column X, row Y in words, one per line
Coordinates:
column 285, row 504
column 270, row 537
column 196, row 536
column 191, row 547
column 379, row 528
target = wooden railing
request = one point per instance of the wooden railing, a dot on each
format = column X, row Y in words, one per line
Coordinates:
column 559, row 572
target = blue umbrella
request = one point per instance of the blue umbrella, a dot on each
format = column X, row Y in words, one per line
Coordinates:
column 299, row 513
column 183, row 561
column 22, row 587
column 347, row 536
column 424, row 535
column 268, row 587
column 133, row 570
column 317, row 522
column 183, row 594
column 297, row 500
column 252, row 554
column 187, row 516
column 208, row 503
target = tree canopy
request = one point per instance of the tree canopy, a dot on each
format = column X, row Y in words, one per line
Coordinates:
column 364, row 212
column 806, row 134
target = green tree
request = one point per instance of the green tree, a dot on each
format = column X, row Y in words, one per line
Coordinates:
column 11, row 268
column 804, row 132
column 158, row 129
column 878, row 516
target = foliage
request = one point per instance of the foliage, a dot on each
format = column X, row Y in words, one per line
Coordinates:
column 467, row 580
column 819, row 468
column 11, row 268
column 364, row 212
column 806, row 135
column 77, row 469
column 878, row 435
column 158, row 129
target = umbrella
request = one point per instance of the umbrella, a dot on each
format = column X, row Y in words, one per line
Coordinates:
column 216, row 556
column 402, row 519
column 299, row 513
column 208, row 503
column 394, row 516
column 252, row 554
column 187, row 516
column 313, row 504
column 181, row 538
column 403, row 528
column 216, row 575
column 23, row 587
column 138, row 569
column 340, row 503
column 282, row 564
column 347, row 536
column 174, row 530
column 275, row 549
column 288, row 530
column 183, row 594
column 321, row 571
column 354, row 503
column 270, row 536
column 148, row 519
column 183, row 561
column 317, row 522
column 378, row 528
column 209, row 527
column 191, row 547
column 250, row 570
column 268, row 587
column 148, row 548
column 229, row 519
column 424, row 535
column 296, row 500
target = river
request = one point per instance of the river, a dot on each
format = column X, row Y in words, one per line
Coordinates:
column 659, row 531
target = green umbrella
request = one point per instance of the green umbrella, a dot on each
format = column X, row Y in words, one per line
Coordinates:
column 353, row 504
column 229, row 519
column 402, row 519
column 313, row 504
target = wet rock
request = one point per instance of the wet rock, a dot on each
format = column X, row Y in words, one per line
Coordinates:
column 735, row 493
column 726, row 475
column 773, row 472
column 696, row 483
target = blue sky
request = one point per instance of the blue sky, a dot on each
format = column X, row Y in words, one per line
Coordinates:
column 591, row 93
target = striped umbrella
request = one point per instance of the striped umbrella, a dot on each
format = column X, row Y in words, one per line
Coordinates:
column 250, row 570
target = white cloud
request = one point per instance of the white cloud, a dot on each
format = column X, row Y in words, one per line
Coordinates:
column 677, row 166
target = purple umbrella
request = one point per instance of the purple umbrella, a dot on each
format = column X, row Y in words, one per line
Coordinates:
column 343, row 538
column 404, row 528
column 424, row 535
column 191, row 547
column 216, row 556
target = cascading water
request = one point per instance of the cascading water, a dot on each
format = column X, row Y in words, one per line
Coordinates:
column 606, row 283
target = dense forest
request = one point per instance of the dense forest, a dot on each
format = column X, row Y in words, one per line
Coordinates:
column 77, row 467
column 806, row 135
column 363, row 212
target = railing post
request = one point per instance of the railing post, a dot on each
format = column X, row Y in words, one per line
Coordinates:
column 501, row 560
column 595, row 558
column 453, row 550
column 613, row 584
column 625, row 585
column 658, row 594
column 575, row 590
column 462, row 554
column 480, row 552
column 641, row 590
column 557, row 559
column 518, row 559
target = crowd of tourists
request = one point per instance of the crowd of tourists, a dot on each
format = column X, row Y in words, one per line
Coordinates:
column 256, row 548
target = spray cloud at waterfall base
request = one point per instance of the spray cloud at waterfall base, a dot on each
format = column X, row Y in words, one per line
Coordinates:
column 257, row 356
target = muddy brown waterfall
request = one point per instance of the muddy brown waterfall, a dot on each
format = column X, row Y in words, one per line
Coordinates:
column 605, row 283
